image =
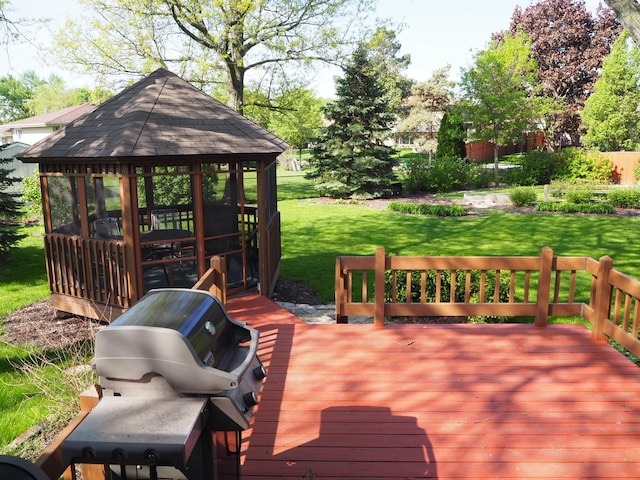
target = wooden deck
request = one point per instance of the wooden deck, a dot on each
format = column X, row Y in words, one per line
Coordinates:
column 438, row 401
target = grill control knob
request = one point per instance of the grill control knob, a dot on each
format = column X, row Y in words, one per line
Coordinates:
column 250, row 399
column 260, row 373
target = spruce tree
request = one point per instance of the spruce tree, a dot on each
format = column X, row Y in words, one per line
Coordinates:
column 350, row 157
column 9, row 210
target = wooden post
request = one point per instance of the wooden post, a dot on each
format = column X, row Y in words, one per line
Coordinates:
column 50, row 462
column 378, row 318
column 219, row 286
column 544, row 287
column 602, row 304
column 341, row 294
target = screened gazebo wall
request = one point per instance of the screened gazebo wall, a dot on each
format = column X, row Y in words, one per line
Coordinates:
column 115, row 231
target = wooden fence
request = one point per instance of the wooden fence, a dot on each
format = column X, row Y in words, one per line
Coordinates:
column 380, row 286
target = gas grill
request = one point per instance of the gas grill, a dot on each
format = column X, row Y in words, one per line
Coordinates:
column 179, row 380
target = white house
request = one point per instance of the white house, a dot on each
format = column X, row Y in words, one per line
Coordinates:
column 18, row 135
column 30, row 130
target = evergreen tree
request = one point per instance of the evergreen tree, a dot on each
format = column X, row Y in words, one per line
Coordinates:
column 350, row 157
column 9, row 210
column 610, row 114
column 451, row 138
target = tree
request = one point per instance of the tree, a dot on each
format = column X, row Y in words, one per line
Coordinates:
column 296, row 117
column 9, row 210
column 610, row 114
column 568, row 45
column 498, row 93
column 15, row 94
column 211, row 41
column 30, row 95
column 383, row 49
column 451, row 137
column 628, row 13
column 8, row 27
column 350, row 158
column 51, row 95
column 423, row 107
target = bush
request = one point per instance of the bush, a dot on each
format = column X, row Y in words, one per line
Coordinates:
column 523, row 196
column 578, row 164
column 442, row 175
column 625, row 198
column 532, row 168
column 32, row 196
column 571, row 164
column 579, row 195
column 566, row 207
column 425, row 209
column 445, row 287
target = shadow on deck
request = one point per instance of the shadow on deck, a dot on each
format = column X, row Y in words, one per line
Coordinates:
column 438, row 401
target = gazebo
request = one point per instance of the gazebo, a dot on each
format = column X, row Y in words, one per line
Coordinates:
column 144, row 190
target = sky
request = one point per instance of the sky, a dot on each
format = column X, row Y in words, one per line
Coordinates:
column 435, row 33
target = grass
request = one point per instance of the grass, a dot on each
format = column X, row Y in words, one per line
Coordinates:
column 314, row 234
column 23, row 277
column 36, row 387
column 20, row 404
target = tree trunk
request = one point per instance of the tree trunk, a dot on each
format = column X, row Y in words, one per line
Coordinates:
column 235, row 87
column 496, row 167
column 496, row 151
column 628, row 13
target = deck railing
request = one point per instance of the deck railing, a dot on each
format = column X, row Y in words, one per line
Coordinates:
column 215, row 279
column 454, row 286
column 382, row 286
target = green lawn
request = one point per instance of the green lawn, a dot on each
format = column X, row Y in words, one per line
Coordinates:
column 23, row 278
column 314, row 234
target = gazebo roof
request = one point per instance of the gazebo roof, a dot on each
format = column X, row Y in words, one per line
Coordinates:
column 161, row 115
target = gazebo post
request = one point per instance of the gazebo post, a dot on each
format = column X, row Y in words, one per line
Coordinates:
column 131, row 233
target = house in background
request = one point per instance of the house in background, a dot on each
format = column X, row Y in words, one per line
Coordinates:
column 32, row 129
column 18, row 135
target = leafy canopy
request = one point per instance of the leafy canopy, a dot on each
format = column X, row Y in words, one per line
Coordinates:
column 498, row 92
column 610, row 114
column 210, row 42
column 568, row 44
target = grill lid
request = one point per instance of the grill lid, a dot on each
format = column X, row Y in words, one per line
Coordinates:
column 182, row 335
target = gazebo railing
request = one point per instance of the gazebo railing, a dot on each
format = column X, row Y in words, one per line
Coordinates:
column 88, row 268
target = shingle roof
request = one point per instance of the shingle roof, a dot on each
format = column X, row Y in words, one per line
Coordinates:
column 59, row 117
column 161, row 115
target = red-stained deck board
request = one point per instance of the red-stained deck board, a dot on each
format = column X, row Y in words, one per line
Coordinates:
column 440, row 401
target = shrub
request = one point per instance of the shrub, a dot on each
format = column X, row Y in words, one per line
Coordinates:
column 425, row 209
column 532, row 168
column 566, row 207
column 32, row 196
column 636, row 171
column 581, row 164
column 442, row 175
column 431, row 283
column 523, row 196
column 579, row 195
column 624, row 198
